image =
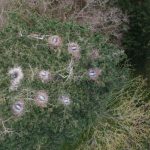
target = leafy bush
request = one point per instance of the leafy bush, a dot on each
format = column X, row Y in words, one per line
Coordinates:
column 136, row 39
column 24, row 43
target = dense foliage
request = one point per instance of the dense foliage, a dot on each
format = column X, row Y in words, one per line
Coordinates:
column 137, row 38
column 56, row 126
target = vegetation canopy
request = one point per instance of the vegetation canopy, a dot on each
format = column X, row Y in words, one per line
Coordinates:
column 72, row 99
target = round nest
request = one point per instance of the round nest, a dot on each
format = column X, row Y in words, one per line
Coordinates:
column 18, row 108
column 41, row 99
column 55, row 41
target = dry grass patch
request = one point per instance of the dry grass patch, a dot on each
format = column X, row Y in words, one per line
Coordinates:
column 100, row 15
column 126, row 124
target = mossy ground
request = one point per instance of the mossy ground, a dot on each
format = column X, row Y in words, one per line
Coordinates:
column 57, row 126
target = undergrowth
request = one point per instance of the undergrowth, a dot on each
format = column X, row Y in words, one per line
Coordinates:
column 125, row 125
column 106, row 113
column 24, row 43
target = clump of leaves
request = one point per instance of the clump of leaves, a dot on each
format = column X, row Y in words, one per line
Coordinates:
column 55, row 126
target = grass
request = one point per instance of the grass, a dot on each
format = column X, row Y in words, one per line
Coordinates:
column 56, row 126
column 102, row 114
column 125, row 125
column 102, row 16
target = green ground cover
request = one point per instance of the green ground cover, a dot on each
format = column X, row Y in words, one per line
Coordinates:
column 56, row 125
column 108, row 108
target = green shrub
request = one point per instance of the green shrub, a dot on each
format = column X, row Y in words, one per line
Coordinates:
column 136, row 38
column 55, row 126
